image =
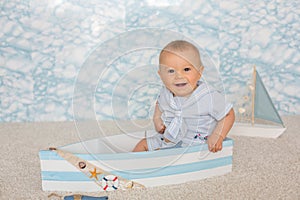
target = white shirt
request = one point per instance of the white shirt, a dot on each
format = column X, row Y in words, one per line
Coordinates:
column 198, row 114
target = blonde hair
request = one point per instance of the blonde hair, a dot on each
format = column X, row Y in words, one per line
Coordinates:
column 185, row 50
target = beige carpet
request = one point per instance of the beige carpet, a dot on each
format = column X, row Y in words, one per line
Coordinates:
column 262, row 168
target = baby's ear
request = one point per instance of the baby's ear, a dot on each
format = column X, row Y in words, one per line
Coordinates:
column 158, row 71
column 201, row 68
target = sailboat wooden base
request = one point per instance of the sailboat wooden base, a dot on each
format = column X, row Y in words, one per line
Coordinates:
column 256, row 130
column 112, row 154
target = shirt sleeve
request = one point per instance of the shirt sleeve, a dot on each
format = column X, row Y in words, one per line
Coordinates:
column 161, row 100
column 218, row 106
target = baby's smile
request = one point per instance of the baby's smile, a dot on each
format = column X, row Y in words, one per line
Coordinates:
column 180, row 84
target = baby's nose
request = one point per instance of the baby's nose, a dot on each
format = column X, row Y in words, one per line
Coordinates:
column 179, row 75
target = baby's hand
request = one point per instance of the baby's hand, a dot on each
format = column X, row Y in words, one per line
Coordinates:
column 161, row 129
column 159, row 126
column 214, row 142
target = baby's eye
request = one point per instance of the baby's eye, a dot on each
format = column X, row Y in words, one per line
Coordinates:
column 187, row 69
column 171, row 71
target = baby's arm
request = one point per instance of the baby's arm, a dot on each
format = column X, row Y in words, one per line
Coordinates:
column 158, row 123
column 215, row 140
column 159, row 127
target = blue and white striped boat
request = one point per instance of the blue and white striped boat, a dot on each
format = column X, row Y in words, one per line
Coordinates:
column 112, row 154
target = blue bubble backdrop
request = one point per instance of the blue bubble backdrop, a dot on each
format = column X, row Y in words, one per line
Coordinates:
column 43, row 45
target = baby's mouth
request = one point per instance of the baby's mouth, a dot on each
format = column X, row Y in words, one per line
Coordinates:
column 180, row 84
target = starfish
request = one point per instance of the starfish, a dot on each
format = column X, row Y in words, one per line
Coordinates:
column 94, row 174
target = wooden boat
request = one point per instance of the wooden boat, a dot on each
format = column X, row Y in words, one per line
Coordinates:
column 256, row 116
column 112, row 165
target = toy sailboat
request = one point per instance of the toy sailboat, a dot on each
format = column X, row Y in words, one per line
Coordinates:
column 256, row 114
column 107, row 163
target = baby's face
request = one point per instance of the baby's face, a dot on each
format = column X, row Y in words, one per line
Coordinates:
column 178, row 75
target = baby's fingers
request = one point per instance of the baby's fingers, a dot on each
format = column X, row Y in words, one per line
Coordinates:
column 217, row 147
column 162, row 130
column 211, row 147
column 214, row 147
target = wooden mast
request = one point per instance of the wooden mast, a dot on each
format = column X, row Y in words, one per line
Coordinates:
column 253, row 94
